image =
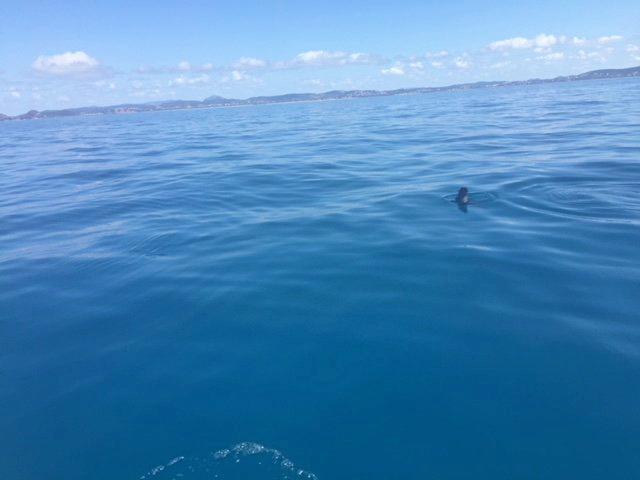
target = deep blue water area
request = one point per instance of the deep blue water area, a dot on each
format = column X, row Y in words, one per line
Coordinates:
column 287, row 291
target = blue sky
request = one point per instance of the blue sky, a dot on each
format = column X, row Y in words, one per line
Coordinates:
column 78, row 53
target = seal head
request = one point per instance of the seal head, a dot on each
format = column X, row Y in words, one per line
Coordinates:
column 463, row 196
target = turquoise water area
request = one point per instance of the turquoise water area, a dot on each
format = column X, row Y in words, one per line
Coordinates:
column 287, row 291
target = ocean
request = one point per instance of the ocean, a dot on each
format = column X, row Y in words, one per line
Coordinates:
column 288, row 292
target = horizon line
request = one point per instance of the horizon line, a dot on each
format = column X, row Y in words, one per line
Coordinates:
column 33, row 114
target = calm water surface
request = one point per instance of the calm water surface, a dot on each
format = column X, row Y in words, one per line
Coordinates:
column 293, row 276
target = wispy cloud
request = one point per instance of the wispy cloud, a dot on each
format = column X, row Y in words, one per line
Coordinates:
column 326, row 58
column 545, row 41
column 246, row 63
column 609, row 39
column 182, row 67
column 395, row 70
column 541, row 41
column 515, row 42
column 239, row 76
column 308, row 59
column 440, row 54
column 555, row 56
column 187, row 80
column 585, row 55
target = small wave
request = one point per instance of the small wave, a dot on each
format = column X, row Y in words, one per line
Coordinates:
column 579, row 103
column 157, row 245
column 602, row 202
column 246, row 460
column 87, row 149
column 486, row 104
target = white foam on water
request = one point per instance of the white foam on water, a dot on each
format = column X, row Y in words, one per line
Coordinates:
column 213, row 466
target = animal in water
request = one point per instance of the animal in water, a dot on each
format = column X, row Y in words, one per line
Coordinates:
column 463, row 196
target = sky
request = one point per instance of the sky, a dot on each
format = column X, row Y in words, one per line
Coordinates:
column 62, row 54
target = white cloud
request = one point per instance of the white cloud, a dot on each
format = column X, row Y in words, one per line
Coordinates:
column 515, row 42
column 437, row 64
column 68, row 63
column 182, row 67
column 311, row 58
column 440, row 54
column 552, row 56
column 15, row 93
column 578, row 40
column 396, row 70
column 250, row 62
column 500, row 65
column 545, row 41
column 541, row 41
column 184, row 80
column 314, row 56
column 327, row 58
column 461, row 63
column 583, row 55
column 358, row 58
column 609, row 39
column 631, row 48
column 240, row 76
column 417, row 65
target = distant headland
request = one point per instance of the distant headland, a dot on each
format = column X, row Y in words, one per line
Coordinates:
column 218, row 102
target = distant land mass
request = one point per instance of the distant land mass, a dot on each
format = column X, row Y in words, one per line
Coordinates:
column 219, row 102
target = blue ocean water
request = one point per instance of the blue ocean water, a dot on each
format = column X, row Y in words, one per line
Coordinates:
column 286, row 291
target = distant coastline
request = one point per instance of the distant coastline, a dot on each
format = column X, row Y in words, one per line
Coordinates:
column 220, row 102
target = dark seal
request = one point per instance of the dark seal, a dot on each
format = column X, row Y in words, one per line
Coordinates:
column 462, row 199
column 463, row 196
